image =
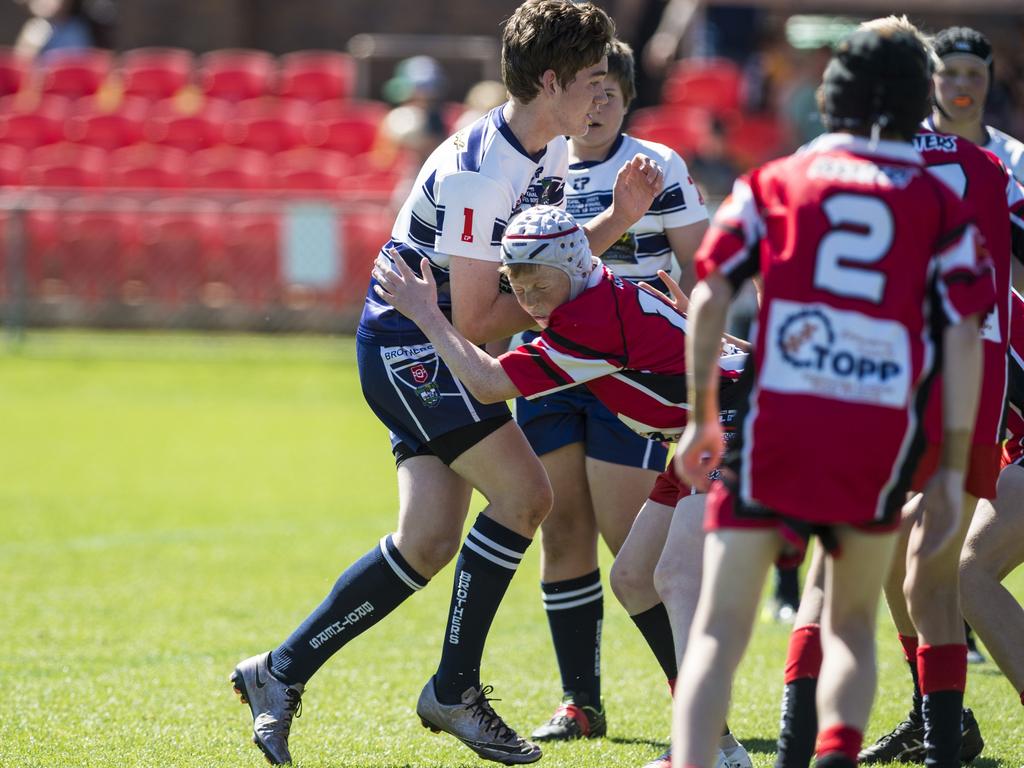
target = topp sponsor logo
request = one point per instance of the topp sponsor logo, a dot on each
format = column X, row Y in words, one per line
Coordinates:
column 844, row 355
column 807, row 340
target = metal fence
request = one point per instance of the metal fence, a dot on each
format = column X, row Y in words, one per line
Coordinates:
column 252, row 262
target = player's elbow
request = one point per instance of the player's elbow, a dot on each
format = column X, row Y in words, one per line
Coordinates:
column 488, row 394
column 472, row 330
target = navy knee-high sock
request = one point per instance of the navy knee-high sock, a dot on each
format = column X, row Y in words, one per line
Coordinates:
column 365, row 593
column 488, row 561
column 575, row 609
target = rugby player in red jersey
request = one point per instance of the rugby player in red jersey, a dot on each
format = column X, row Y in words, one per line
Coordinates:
column 979, row 177
column 870, row 265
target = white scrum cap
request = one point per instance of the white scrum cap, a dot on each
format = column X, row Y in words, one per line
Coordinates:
column 549, row 236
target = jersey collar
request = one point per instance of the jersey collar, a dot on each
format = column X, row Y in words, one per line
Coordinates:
column 582, row 165
column 499, row 121
column 896, row 150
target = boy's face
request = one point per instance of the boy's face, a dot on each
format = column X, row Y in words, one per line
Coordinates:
column 961, row 84
column 607, row 123
column 540, row 290
column 578, row 103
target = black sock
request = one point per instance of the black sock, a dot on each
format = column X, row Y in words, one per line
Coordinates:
column 915, row 715
column 943, row 718
column 834, row 760
column 799, row 727
column 787, row 586
column 365, row 593
column 656, row 628
column 575, row 609
column 488, row 561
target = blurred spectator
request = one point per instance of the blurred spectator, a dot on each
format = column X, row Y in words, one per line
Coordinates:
column 409, row 134
column 711, row 168
column 420, row 82
column 65, row 24
column 798, row 105
column 480, row 99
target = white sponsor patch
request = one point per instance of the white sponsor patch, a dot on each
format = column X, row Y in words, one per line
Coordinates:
column 813, row 349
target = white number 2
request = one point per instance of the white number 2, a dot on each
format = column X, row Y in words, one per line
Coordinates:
column 843, row 254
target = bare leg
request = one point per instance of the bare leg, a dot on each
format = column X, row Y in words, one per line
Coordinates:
column 569, row 533
column 617, row 493
column 994, row 548
column 735, row 565
column 853, row 582
column 678, row 573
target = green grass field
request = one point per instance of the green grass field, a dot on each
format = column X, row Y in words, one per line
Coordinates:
column 172, row 504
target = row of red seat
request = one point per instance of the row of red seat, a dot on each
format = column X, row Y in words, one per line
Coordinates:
column 266, row 124
column 174, row 249
column 156, row 73
column 223, row 167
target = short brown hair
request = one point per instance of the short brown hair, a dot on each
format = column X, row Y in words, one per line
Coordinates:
column 551, row 34
column 621, row 67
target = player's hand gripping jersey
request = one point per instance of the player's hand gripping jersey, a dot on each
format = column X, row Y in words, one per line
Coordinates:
column 627, row 345
column 463, row 198
column 864, row 257
column 995, row 197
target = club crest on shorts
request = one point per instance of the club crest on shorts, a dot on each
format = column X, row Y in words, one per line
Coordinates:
column 429, row 394
column 419, row 373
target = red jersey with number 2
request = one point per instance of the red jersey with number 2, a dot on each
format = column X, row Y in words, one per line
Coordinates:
column 864, row 256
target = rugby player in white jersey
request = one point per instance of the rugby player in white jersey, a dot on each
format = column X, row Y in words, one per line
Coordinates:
column 600, row 470
column 445, row 442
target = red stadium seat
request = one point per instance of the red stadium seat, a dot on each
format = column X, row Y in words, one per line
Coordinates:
column 148, row 166
column 229, row 167
column 236, row 74
column 268, row 124
column 180, row 236
column 75, row 72
column 683, row 129
column 252, row 253
column 12, row 163
column 714, row 84
column 32, row 125
column 66, row 165
column 96, row 236
column 366, row 228
column 107, row 129
column 348, row 127
column 13, row 71
column 753, row 139
column 306, row 168
column 191, row 130
column 155, row 73
column 315, row 76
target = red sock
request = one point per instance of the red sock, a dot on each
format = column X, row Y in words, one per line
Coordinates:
column 672, row 686
column 909, row 643
column 803, row 659
column 942, row 668
column 843, row 739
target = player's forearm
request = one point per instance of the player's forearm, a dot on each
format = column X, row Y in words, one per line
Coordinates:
column 482, row 375
column 502, row 319
column 604, row 230
column 961, row 384
column 709, row 304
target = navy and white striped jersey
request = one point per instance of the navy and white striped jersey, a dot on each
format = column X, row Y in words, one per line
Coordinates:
column 644, row 248
column 463, row 198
